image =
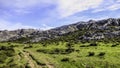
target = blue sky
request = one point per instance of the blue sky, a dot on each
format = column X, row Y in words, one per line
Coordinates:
column 46, row 14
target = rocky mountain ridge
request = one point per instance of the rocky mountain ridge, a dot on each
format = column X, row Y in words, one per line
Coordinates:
column 6, row 35
column 92, row 30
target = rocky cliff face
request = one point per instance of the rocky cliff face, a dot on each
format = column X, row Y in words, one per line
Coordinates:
column 16, row 34
column 94, row 30
column 107, row 28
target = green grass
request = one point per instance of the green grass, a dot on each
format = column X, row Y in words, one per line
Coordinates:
column 105, row 55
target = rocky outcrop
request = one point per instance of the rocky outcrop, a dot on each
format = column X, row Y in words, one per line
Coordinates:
column 16, row 34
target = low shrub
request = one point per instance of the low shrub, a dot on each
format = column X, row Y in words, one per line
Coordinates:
column 101, row 54
column 77, row 50
column 44, row 45
column 41, row 50
column 27, row 65
column 69, row 50
column 93, row 44
column 56, row 51
column 40, row 63
column 83, row 46
column 3, row 57
column 10, row 53
column 6, row 48
column 26, row 47
column 91, row 53
column 65, row 60
column 114, row 45
column 69, row 45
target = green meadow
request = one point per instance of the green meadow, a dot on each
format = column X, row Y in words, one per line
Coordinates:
column 60, row 55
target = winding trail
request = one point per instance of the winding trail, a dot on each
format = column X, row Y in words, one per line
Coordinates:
column 49, row 65
column 30, row 61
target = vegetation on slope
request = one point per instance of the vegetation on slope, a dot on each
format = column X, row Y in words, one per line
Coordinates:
column 60, row 55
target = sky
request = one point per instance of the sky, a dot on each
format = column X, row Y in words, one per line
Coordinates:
column 47, row 14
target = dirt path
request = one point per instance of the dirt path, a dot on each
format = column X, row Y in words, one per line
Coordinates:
column 19, row 58
column 49, row 65
column 30, row 61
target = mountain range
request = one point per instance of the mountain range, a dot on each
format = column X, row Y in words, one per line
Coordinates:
column 90, row 30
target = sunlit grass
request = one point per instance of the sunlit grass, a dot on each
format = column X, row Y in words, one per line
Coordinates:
column 105, row 56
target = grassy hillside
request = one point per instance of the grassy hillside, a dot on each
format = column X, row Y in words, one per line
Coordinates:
column 60, row 55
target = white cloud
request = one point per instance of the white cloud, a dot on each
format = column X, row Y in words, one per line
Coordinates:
column 45, row 27
column 70, row 7
column 114, row 7
column 108, row 5
column 23, row 3
column 118, row 1
column 23, row 6
column 98, row 10
column 64, row 8
column 6, row 25
column 110, row 8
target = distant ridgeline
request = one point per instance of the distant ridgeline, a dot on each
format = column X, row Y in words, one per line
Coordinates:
column 101, row 30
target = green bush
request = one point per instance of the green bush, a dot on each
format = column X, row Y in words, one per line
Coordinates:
column 26, row 47
column 93, row 44
column 65, row 60
column 10, row 53
column 91, row 53
column 114, row 45
column 56, row 51
column 40, row 63
column 83, row 46
column 69, row 50
column 101, row 54
column 3, row 57
column 27, row 65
